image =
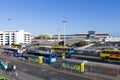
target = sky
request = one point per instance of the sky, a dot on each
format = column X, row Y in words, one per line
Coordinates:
column 46, row 16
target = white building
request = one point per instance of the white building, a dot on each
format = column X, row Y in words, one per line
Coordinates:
column 14, row 37
column 112, row 39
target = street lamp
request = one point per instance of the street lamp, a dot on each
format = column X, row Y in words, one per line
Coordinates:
column 9, row 37
column 64, row 22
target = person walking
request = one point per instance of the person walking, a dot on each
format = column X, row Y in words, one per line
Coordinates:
column 14, row 68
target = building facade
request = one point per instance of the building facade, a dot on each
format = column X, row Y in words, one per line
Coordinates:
column 88, row 35
column 10, row 37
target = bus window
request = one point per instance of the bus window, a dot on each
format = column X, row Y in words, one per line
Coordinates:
column 112, row 52
column 47, row 56
column 115, row 52
column 71, row 49
column 53, row 54
column 103, row 52
column 107, row 52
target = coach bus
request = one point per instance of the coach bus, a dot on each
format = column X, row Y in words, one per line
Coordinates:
column 110, row 55
column 13, row 52
column 48, row 57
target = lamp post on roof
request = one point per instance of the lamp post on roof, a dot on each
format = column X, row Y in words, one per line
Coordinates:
column 64, row 22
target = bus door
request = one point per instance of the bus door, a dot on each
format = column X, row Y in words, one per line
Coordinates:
column 53, row 57
column 69, row 52
column 46, row 58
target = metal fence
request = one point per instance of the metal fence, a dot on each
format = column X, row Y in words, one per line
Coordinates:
column 102, row 72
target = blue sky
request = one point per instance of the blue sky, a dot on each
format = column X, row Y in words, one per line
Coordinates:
column 46, row 16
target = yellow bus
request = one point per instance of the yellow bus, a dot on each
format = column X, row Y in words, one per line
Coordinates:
column 16, row 46
column 59, row 49
column 62, row 50
column 19, row 46
column 110, row 54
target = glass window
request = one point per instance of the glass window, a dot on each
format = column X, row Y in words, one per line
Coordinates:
column 103, row 51
column 115, row 52
column 53, row 54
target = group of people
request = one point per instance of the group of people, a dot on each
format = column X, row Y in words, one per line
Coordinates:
column 10, row 67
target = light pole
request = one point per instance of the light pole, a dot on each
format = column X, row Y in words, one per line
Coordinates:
column 9, row 37
column 64, row 22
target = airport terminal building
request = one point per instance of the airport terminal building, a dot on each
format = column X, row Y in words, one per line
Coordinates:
column 88, row 35
column 10, row 37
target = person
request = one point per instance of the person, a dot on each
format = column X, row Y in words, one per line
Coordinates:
column 5, row 67
column 24, row 59
column 14, row 68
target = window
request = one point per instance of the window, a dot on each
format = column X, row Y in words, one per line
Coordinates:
column 103, row 51
column 53, row 54
column 1, row 36
column 116, row 53
column 107, row 52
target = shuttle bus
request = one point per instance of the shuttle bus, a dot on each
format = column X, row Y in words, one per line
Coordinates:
column 13, row 52
column 48, row 57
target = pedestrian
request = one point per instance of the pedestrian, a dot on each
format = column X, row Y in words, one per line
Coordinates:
column 14, row 68
column 24, row 59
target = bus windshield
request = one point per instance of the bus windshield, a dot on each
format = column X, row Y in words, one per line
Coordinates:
column 44, row 48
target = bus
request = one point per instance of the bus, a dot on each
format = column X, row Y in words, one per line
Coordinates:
column 88, row 52
column 33, row 58
column 73, row 64
column 110, row 54
column 13, row 52
column 59, row 50
column 19, row 46
column 45, row 48
column 63, row 50
column 48, row 57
